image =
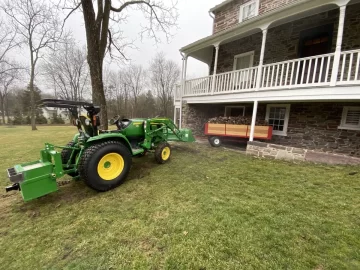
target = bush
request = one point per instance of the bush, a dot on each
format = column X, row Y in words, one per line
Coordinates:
column 40, row 119
column 57, row 119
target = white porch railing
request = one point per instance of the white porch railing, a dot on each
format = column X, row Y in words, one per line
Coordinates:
column 244, row 79
column 349, row 68
column 308, row 71
column 302, row 72
column 177, row 94
column 199, row 86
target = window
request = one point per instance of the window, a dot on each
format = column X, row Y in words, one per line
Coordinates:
column 244, row 60
column 277, row 115
column 350, row 118
column 234, row 111
column 249, row 10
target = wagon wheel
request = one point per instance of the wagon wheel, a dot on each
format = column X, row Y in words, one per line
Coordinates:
column 215, row 141
column 105, row 165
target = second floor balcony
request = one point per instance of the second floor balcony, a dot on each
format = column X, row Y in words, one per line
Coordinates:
column 298, row 48
column 315, row 71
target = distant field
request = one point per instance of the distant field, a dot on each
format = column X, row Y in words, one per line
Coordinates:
column 206, row 209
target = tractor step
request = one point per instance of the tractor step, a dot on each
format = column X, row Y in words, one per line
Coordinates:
column 137, row 150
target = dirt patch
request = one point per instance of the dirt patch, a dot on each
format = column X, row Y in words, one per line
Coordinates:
column 187, row 148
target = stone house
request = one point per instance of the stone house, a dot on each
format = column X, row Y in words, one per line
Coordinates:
column 294, row 63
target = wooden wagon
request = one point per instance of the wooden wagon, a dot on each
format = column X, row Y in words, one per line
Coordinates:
column 217, row 132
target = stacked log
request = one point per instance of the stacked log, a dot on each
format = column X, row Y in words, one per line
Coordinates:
column 239, row 120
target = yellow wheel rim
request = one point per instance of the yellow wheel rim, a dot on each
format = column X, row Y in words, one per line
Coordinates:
column 110, row 166
column 165, row 154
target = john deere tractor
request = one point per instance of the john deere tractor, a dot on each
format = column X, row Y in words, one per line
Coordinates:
column 101, row 158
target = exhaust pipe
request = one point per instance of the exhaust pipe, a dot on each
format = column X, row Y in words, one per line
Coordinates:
column 13, row 187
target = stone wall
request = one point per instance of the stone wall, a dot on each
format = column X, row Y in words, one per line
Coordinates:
column 194, row 116
column 274, row 151
column 315, row 125
column 228, row 15
column 312, row 126
column 282, row 42
column 268, row 150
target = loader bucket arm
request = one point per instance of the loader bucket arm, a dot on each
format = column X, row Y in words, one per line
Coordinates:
column 173, row 132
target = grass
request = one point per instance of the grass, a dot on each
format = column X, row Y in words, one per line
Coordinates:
column 206, row 209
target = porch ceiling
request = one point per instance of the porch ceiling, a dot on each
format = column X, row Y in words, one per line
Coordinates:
column 203, row 48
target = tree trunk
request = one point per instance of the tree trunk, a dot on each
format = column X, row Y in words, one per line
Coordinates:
column 97, row 85
column 32, row 100
column 95, row 61
column 2, row 108
column 6, row 108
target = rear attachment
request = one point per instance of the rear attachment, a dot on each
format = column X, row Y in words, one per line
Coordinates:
column 38, row 178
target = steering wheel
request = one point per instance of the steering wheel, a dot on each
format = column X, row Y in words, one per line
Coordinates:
column 118, row 123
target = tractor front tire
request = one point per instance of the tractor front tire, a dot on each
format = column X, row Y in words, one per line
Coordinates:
column 214, row 141
column 162, row 153
column 105, row 165
column 66, row 155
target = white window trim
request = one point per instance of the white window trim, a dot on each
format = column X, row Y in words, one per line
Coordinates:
column 230, row 107
column 241, row 19
column 236, row 57
column 343, row 124
column 287, row 114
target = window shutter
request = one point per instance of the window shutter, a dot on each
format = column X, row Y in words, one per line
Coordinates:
column 353, row 117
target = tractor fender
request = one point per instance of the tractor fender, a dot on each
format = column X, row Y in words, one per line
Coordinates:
column 110, row 136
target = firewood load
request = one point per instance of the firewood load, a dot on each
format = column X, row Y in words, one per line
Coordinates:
column 239, row 120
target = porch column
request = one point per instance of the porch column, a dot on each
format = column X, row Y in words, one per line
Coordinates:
column 261, row 61
column 253, row 121
column 337, row 55
column 182, row 75
column 217, row 46
column 185, row 70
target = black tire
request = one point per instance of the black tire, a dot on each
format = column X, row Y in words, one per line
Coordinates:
column 162, row 153
column 91, row 158
column 215, row 141
column 66, row 154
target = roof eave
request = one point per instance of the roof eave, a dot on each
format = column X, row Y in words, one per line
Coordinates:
column 217, row 7
column 214, row 38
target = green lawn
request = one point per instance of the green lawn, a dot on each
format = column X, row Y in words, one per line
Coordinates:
column 206, row 209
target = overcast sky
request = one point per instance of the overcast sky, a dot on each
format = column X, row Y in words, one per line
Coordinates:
column 194, row 23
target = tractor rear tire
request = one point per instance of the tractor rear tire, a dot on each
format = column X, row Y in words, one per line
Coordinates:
column 65, row 156
column 162, row 153
column 215, row 141
column 105, row 165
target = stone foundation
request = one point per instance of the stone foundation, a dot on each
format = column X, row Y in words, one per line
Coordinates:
column 274, row 151
column 312, row 125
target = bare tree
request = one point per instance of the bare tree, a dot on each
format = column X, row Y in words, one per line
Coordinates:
column 134, row 80
column 7, row 80
column 68, row 71
column 36, row 25
column 164, row 77
column 7, row 43
column 102, row 33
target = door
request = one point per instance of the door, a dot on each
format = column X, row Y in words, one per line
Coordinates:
column 243, row 61
column 315, row 41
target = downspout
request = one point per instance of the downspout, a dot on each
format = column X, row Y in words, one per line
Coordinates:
column 213, row 17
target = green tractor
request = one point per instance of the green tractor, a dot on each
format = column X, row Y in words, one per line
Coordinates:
column 101, row 158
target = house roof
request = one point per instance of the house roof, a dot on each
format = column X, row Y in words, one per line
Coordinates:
column 224, row 3
column 274, row 17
